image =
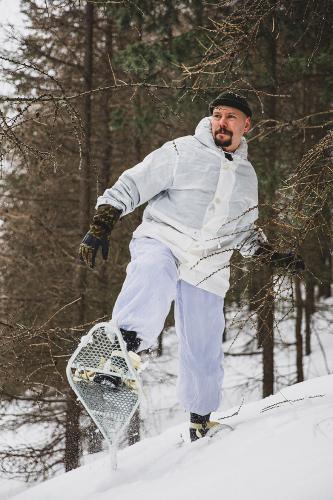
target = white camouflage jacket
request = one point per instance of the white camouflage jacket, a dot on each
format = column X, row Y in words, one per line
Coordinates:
column 200, row 204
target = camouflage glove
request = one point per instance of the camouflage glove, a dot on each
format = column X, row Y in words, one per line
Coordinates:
column 290, row 261
column 98, row 235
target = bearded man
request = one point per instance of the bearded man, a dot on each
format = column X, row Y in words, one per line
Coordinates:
column 202, row 195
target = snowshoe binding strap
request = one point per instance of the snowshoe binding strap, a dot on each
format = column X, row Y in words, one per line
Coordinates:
column 200, row 430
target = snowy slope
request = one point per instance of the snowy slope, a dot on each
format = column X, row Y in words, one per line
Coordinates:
column 283, row 452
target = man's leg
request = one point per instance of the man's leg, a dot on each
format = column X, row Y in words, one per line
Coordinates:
column 199, row 326
column 148, row 290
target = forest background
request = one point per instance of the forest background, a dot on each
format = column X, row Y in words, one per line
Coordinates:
column 100, row 84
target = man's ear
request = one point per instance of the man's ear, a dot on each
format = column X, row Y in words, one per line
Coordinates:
column 247, row 124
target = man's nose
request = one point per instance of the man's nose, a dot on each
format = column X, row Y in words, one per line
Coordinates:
column 223, row 122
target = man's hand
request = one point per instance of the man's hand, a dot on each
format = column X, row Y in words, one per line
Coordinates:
column 98, row 235
column 290, row 261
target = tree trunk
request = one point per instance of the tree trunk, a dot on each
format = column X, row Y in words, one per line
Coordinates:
column 104, row 171
column 266, row 333
column 133, row 433
column 298, row 329
column 309, row 307
column 95, row 439
column 106, row 134
column 266, row 311
column 325, row 254
column 224, row 335
column 72, row 433
column 72, row 443
column 159, row 350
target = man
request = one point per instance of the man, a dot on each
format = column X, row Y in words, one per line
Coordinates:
column 202, row 205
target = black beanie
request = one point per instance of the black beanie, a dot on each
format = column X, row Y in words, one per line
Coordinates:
column 230, row 99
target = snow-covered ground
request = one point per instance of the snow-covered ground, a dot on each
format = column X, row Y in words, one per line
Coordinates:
column 280, row 448
column 281, row 452
column 242, row 374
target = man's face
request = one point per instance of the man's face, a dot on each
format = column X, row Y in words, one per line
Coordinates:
column 228, row 126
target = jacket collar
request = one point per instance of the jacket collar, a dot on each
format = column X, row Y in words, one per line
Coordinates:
column 203, row 133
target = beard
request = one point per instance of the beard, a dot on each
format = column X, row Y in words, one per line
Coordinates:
column 223, row 143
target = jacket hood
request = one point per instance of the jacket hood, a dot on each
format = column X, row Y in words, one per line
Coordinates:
column 203, row 133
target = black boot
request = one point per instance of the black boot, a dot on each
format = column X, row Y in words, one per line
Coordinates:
column 132, row 344
column 131, row 340
column 198, row 426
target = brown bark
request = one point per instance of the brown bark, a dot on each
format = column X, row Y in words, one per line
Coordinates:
column 105, row 119
column 266, row 333
column 72, row 443
column 159, row 350
column 325, row 253
column 72, row 433
column 266, row 311
column 95, row 439
column 309, row 307
column 224, row 335
column 298, row 330
column 105, row 167
column 133, row 432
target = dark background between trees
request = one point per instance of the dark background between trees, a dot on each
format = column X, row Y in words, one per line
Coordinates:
column 98, row 85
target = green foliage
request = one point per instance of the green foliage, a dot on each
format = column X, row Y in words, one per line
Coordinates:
column 152, row 60
column 144, row 61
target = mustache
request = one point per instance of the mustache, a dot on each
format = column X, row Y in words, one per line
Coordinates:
column 223, row 131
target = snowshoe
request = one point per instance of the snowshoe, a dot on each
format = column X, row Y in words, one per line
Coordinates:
column 104, row 376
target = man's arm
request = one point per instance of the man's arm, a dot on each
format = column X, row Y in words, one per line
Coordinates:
column 141, row 183
column 256, row 245
column 288, row 260
column 133, row 188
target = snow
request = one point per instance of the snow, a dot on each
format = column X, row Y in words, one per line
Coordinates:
column 242, row 374
column 281, row 452
column 10, row 488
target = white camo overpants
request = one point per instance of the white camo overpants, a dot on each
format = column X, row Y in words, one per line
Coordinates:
column 142, row 306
